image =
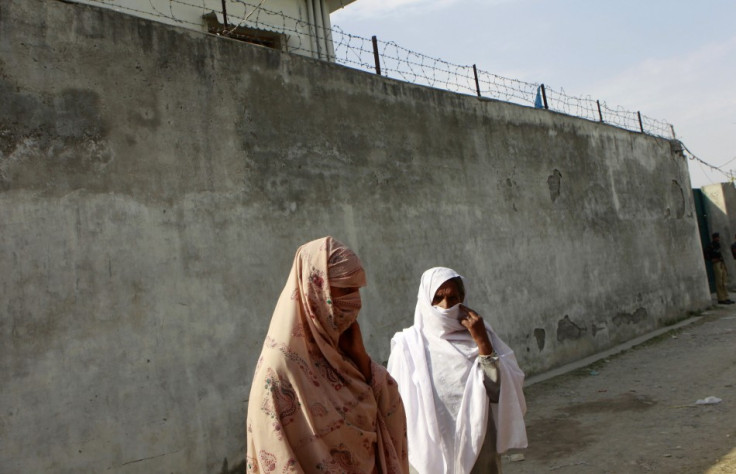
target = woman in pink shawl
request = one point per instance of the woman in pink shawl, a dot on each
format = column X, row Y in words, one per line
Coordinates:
column 318, row 403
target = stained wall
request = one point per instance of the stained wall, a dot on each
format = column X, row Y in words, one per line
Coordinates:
column 155, row 183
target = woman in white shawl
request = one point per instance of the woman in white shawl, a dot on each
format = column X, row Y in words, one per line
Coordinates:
column 461, row 385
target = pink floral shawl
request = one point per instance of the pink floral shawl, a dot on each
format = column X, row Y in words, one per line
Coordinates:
column 310, row 409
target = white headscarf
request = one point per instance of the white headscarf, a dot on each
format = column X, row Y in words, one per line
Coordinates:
column 438, row 332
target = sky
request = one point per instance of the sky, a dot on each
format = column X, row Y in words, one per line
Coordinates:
column 673, row 60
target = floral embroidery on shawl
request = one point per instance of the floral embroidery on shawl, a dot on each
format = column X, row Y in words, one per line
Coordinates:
column 283, row 403
column 339, row 462
column 268, row 462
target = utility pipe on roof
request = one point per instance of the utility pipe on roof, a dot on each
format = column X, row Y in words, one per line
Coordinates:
column 329, row 47
column 314, row 47
column 317, row 15
column 320, row 35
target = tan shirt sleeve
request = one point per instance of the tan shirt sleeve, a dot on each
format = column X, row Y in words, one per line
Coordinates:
column 491, row 375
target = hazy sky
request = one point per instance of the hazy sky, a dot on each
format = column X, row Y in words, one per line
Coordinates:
column 673, row 60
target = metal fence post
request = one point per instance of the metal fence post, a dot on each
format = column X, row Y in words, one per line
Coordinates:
column 224, row 13
column 641, row 125
column 600, row 114
column 544, row 97
column 477, row 84
column 375, row 55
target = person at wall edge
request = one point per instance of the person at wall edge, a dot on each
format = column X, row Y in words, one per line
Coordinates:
column 713, row 253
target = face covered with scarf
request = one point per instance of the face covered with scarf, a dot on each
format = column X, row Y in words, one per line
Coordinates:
column 311, row 407
column 441, row 292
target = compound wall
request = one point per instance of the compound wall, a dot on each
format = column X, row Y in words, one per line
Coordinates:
column 155, row 183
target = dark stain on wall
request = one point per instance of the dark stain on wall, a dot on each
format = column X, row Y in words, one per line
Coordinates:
column 64, row 135
column 540, row 335
column 678, row 200
column 596, row 328
column 73, row 114
column 510, row 191
column 553, row 181
column 631, row 318
column 78, row 114
column 566, row 329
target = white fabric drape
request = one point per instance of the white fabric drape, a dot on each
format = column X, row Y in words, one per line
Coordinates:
column 428, row 354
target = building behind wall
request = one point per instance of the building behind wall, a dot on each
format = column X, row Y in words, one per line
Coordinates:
column 719, row 215
column 298, row 26
column 701, row 211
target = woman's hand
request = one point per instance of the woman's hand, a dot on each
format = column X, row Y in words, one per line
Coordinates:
column 351, row 344
column 474, row 323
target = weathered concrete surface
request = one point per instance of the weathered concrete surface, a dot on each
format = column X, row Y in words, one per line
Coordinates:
column 636, row 411
column 721, row 213
column 155, row 182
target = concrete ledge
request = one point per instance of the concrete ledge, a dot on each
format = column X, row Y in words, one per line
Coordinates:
column 610, row 352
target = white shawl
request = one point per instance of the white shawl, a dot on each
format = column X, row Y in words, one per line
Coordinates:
column 408, row 364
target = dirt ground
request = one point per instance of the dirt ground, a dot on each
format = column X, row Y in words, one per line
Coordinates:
column 637, row 411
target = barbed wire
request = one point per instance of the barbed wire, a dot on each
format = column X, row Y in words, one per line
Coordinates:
column 244, row 20
column 728, row 174
column 407, row 65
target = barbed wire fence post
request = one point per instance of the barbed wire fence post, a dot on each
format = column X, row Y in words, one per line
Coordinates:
column 224, row 13
column 376, row 56
column 544, row 96
column 477, row 85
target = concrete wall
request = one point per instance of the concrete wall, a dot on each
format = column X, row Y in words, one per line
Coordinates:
column 155, row 183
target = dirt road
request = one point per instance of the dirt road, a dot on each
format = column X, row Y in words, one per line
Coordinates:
column 637, row 411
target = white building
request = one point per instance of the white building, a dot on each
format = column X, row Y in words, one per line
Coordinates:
column 298, row 26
